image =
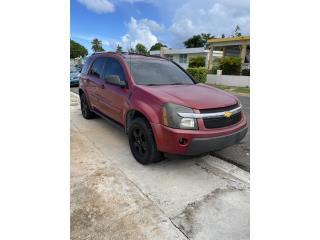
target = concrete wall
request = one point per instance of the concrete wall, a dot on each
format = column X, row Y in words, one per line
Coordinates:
column 229, row 80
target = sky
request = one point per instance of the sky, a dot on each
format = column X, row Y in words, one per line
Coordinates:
column 128, row 22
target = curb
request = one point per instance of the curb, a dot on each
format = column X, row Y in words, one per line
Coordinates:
column 228, row 168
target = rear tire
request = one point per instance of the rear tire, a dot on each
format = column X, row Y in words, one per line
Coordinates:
column 142, row 143
column 85, row 109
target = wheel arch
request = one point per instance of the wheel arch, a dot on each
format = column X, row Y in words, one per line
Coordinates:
column 81, row 92
column 131, row 115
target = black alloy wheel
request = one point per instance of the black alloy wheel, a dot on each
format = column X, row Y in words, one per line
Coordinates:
column 85, row 109
column 142, row 143
column 139, row 142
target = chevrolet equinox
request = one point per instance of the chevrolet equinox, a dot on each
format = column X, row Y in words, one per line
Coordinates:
column 161, row 107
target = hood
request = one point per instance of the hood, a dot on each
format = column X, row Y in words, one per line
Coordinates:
column 197, row 96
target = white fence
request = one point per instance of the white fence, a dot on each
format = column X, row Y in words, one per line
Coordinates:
column 229, row 80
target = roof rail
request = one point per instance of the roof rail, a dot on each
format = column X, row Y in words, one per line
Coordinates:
column 139, row 54
column 107, row 52
column 129, row 53
column 94, row 53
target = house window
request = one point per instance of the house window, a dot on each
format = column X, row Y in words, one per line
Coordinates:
column 183, row 58
column 170, row 57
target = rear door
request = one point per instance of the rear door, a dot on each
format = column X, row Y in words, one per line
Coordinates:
column 113, row 97
column 94, row 81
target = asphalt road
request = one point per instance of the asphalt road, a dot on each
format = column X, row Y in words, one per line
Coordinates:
column 238, row 154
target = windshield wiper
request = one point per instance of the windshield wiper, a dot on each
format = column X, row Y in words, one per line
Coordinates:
column 154, row 84
column 178, row 84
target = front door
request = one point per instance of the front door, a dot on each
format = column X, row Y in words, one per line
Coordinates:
column 113, row 97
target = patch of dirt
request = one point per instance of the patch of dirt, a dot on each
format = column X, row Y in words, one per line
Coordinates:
column 188, row 221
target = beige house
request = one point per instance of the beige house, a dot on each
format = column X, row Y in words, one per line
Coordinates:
column 182, row 56
column 232, row 46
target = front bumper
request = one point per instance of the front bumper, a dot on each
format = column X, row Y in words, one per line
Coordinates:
column 200, row 141
column 204, row 145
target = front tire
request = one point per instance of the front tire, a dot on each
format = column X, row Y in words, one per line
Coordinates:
column 142, row 143
column 85, row 109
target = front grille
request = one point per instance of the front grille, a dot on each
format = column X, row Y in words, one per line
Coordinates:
column 221, row 121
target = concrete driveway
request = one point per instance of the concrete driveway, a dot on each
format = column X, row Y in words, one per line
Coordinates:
column 115, row 197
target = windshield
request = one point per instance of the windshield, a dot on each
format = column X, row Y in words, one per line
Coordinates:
column 157, row 72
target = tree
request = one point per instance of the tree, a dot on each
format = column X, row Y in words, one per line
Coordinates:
column 141, row 49
column 97, row 45
column 199, row 40
column 206, row 36
column 193, row 42
column 222, row 35
column 77, row 50
column 119, row 49
column 237, row 32
column 157, row 46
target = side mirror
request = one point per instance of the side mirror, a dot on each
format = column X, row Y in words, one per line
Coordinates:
column 114, row 79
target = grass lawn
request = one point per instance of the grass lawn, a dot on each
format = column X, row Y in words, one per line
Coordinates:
column 244, row 90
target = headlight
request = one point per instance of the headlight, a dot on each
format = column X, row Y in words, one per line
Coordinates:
column 173, row 120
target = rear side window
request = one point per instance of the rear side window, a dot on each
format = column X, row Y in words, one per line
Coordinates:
column 113, row 67
column 97, row 68
column 86, row 66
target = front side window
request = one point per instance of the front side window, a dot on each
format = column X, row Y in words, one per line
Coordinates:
column 97, row 68
column 157, row 72
column 183, row 58
column 113, row 67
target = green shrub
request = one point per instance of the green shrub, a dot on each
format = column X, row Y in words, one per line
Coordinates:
column 230, row 65
column 196, row 62
column 199, row 74
column 245, row 72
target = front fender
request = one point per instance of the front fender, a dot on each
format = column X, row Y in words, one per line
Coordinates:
column 151, row 111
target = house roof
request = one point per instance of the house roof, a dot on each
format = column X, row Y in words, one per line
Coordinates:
column 180, row 51
column 155, row 52
column 185, row 50
column 229, row 39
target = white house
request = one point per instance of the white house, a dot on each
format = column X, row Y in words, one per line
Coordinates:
column 182, row 56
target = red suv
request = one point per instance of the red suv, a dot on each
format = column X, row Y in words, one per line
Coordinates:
column 161, row 107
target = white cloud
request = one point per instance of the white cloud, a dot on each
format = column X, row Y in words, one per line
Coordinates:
column 98, row 6
column 141, row 31
column 134, row 1
column 209, row 16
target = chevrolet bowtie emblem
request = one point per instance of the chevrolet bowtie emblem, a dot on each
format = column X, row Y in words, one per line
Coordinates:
column 227, row 114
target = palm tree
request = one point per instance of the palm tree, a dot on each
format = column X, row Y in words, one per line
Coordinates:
column 97, row 45
column 119, row 49
column 237, row 32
